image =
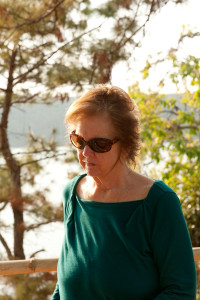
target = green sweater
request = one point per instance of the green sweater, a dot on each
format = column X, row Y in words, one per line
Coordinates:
column 137, row 250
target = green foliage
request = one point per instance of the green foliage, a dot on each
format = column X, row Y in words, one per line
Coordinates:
column 36, row 286
column 46, row 47
column 171, row 137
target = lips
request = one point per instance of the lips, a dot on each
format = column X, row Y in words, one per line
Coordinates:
column 89, row 164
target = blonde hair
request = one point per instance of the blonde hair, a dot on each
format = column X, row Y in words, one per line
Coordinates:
column 121, row 110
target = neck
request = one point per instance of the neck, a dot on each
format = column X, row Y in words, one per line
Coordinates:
column 112, row 181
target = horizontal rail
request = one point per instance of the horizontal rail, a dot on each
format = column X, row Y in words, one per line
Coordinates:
column 35, row 265
column 32, row 265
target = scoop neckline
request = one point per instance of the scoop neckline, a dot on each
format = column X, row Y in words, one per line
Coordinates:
column 117, row 204
column 109, row 204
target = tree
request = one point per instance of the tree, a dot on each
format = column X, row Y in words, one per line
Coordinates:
column 47, row 46
column 171, row 136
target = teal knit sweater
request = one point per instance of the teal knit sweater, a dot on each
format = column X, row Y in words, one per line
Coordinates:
column 137, row 250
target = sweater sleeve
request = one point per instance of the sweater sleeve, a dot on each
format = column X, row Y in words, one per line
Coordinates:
column 66, row 194
column 172, row 249
column 67, row 209
column 56, row 294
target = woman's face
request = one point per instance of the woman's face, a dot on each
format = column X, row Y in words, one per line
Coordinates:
column 98, row 164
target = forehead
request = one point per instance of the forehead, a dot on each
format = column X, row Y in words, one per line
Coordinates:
column 95, row 126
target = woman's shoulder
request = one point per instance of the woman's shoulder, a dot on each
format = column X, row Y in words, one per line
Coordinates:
column 154, row 191
column 160, row 188
column 71, row 185
column 161, row 195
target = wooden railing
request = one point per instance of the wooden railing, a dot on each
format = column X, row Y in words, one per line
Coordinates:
column 32, row 265
column 35, row 265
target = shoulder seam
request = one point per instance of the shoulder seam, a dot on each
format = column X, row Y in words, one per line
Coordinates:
column 164, row 188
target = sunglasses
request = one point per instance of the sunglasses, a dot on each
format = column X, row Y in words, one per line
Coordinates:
column 99, row 145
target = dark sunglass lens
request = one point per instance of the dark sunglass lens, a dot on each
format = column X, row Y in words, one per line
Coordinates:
column 100, row 145
column 77, row 141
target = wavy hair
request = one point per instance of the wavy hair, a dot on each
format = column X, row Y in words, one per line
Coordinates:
column 122, row 111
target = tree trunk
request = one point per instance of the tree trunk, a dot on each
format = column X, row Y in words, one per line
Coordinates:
column 14, row 169
column 17, row 207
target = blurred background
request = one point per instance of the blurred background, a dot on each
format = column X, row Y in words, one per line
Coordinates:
column 53, row 51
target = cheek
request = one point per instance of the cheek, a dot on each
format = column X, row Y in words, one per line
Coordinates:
column 79, row 155
column 81, row 158
column 107, row 160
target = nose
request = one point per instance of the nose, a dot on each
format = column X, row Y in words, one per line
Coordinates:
column 87, row 151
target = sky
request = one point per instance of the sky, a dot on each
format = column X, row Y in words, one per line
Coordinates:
column 163, row 32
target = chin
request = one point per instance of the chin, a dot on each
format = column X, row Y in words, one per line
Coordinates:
column 92, row 172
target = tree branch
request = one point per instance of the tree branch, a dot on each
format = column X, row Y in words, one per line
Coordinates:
column 43, row 60
column 26, row 99
column 131, row 23
column 188, row 35
column 123, row 42
column 35, row 226
column 34, row 21
column 5, row 245
column 189, row 126
column 40, row 159
column 4, row 206
column 36, row 252
column 37, row 152
column 171, row 51
column 168, row 112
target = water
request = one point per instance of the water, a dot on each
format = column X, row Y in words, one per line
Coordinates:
column 49, row 237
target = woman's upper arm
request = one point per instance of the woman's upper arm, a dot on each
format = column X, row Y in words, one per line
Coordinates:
column 172, row 250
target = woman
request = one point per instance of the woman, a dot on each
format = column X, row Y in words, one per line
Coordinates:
column 125, row 234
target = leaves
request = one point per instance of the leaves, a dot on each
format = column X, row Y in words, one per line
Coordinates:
column 45, row 48
column 171, row 138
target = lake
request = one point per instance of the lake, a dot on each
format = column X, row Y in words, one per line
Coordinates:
column 49, row 237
